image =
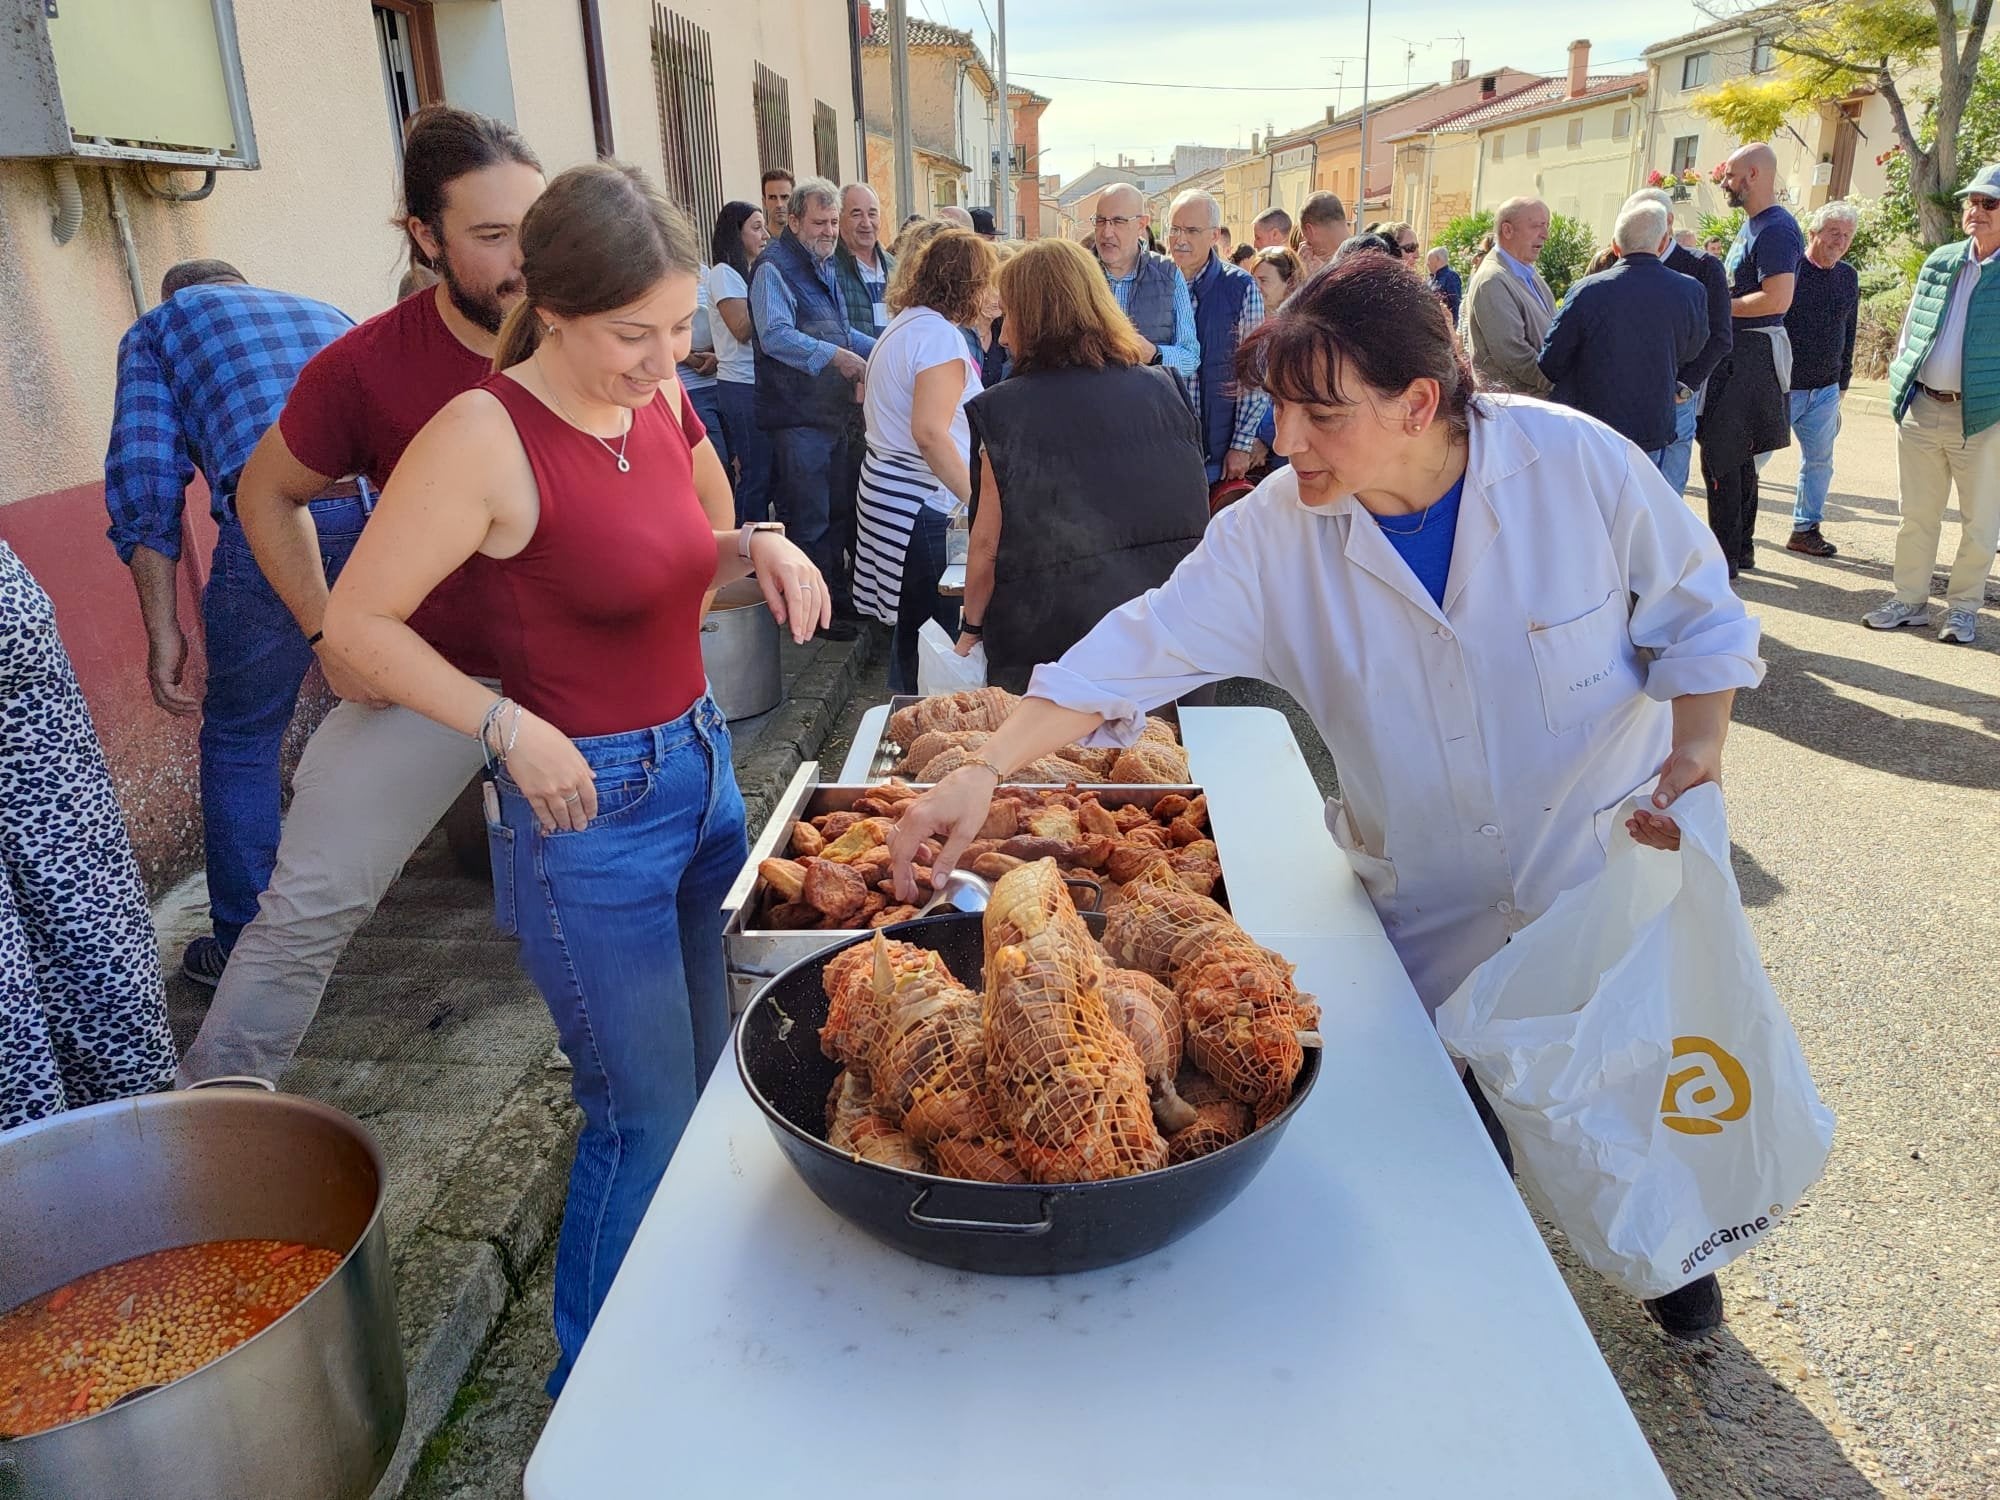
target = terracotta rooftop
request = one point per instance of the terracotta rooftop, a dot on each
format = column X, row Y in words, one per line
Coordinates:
column 1539, row 98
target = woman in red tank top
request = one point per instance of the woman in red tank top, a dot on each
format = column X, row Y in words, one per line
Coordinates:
column 616, row 826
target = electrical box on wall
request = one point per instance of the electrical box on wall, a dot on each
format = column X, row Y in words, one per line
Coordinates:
column 125, row 80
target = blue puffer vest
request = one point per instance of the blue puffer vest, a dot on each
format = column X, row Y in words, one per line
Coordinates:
column 1218, row 302
column 1152, row 309
column 787, row 396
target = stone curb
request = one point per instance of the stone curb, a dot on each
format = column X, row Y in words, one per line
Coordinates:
column 496, row 1216
column 474, row 1251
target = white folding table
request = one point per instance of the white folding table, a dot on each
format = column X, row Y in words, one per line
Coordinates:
column 1376, row 1316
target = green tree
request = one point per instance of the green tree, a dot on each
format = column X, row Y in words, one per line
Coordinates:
column 1830, row 49
column 1462, row 235
column 1568, row 250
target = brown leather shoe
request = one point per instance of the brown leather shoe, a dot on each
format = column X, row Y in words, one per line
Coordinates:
column 1811, row 543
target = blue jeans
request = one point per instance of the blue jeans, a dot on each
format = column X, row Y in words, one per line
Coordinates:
column 920, row 599
column 1677, row 458
column 257, row 658
column 817, row 474
column 749, row 446
column 1815, row 423
column 708, row 406
column 621, row 930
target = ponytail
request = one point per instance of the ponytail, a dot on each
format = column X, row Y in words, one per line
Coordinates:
column 520, row 336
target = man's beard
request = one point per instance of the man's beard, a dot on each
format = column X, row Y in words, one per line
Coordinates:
column 485, row 309
column 1734, row 195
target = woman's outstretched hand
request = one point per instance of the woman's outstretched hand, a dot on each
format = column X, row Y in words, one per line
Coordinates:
column 951, row 813
column 1690, row 764
column 792, row 585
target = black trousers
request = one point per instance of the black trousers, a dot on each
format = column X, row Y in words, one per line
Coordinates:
column 1732, row 509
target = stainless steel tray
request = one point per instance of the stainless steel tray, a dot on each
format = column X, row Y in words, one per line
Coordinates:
column 755, row 954
column 887, row 752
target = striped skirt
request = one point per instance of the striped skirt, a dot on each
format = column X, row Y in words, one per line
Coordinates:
column 893, row 489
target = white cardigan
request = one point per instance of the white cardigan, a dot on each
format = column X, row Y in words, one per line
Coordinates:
column 1484, row 747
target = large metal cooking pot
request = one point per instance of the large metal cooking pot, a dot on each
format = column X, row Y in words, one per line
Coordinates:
column 309, row 1409
column 739, row 651
column 1038, row 1229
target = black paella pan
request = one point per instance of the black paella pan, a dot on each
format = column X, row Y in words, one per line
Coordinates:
column 1004, row 1228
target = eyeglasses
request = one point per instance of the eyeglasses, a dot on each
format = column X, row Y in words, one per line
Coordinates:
column 1114, row 223
column 1981, row 201
column 1408, row 247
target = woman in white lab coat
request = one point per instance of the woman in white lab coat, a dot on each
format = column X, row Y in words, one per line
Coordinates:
column 1502, row 620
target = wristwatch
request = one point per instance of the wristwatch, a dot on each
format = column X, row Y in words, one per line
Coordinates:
column 750, row 529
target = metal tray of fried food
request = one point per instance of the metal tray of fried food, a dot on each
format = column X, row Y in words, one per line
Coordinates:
column 754, row 954
column 887, row 752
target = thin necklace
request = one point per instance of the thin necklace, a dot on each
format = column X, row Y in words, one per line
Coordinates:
column 1413, row 530
column 624, row 464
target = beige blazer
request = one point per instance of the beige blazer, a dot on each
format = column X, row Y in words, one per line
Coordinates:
column 1504, row 325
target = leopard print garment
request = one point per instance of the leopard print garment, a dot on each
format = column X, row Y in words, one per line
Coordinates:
column 83, row 1015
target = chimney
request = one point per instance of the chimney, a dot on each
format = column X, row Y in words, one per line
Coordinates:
column 1256, row 144
column 1579, row 68
column 1331, row 111
column 1461, row 70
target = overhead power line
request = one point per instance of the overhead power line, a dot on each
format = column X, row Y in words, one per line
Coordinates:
column 1598, row 65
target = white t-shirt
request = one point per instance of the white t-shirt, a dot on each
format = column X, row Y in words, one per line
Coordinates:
column 702, row 340
column 917, row 339
column 734, row 360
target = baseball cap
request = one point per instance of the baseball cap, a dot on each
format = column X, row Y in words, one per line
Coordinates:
column 982, row 222
column 1986, row 180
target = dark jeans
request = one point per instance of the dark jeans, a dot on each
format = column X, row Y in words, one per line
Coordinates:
column 818, row 470
column 708, row 406
column 1495, row 1131
column 920, row 599
column 749, row 447
column 1732, row 509
column 621, row 930
column 256, row 660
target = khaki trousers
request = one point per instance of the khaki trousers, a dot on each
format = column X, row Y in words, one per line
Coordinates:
column 1934, row 456
column 371, row 785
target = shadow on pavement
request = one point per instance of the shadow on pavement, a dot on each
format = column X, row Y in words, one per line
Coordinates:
column 1736, row 1413
column 1802, row 700
column 1757, row 885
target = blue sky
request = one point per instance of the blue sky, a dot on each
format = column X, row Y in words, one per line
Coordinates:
column 1290, row 49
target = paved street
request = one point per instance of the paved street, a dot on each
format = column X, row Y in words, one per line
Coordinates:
column 1862, row 1355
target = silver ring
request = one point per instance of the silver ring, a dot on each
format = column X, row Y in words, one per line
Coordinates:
column 574, row 797
column 805, row 588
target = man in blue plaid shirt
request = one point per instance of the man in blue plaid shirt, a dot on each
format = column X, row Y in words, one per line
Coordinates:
column 200, row 378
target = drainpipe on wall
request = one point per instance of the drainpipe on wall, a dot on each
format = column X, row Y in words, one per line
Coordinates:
column 68, row 217
column 860, row 113
column 593, row 69
column 122, row 218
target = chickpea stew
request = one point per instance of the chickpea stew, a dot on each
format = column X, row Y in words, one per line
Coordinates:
column 143, row 1322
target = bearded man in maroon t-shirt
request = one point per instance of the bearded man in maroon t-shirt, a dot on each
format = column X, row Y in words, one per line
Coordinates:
column 374, row 780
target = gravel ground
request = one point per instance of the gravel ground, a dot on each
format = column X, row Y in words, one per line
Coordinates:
column 1862, row 1353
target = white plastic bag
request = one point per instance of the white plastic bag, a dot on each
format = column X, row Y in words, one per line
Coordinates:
column 1659, row 1107
column 940, row 669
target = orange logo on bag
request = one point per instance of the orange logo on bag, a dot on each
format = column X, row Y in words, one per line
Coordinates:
column 1708, row 1089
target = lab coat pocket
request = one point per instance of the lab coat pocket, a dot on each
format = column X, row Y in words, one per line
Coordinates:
column 1377, row 874
column 1585, row 665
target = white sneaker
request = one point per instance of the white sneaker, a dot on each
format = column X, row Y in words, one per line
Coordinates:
column 1895, row 612
column 1957, row 627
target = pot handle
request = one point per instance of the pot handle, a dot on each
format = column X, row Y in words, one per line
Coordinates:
column 235, row 1081
column 922, row 1220
column 1096, row 889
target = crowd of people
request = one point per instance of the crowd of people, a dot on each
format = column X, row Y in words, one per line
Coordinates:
column 495, row 514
